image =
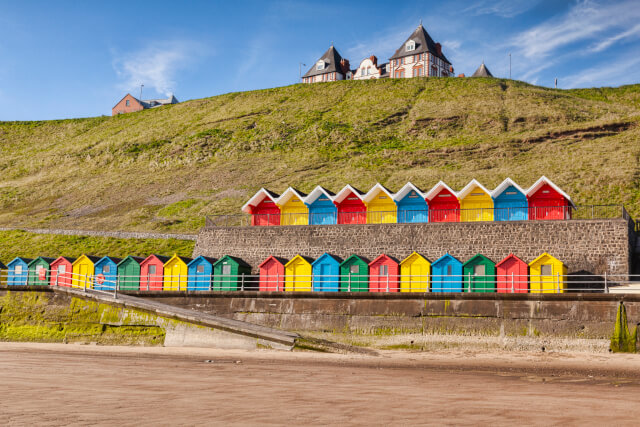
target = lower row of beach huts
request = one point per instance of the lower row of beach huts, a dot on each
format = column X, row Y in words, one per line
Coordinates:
column 326, row 273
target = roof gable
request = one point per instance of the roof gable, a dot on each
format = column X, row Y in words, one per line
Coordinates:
column 355, row 258
column 445, row 259
column 437, row 189
column 510, row 257
column 544, row 180
column 404, row 192
column 136, row 259
column 470, row 187
column 383, row 258
column 257, row 198
column 92, row 259
column 299, row 258
column 375, row 190
column 413, row 257
column 20, row 260
column 344, row 193
column 326, row 256
column 331, row 59
column 482, row 71
column 543, row 257
column 200, row 259
column 316, row 194
column 288, row 195
column 233, row 259
column 424, row 43
column 508, row 182
column 477, row 258
column 62, row 259
column 273, row 258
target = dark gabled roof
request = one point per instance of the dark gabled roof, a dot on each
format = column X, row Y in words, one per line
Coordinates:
column 162, row 258
column 235, row 259
column 482, row 71
column 137, row 259
column 46, row 259
column 331, row 60
column 23, row 259
column 112, row 258
column 2, row 266
column 70, row 260
column 210, row 260
column 424, row 43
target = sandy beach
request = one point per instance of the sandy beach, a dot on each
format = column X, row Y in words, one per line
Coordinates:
column 58, row 384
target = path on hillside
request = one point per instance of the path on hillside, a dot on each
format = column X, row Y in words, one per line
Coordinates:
column 72, row 384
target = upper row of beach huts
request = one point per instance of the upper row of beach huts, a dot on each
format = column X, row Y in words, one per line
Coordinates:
column 544, row 200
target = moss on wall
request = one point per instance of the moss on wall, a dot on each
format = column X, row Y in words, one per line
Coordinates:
column 622, row 340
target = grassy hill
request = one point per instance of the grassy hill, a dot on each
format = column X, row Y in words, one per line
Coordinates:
column 164, row 169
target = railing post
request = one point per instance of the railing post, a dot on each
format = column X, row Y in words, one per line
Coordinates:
column 148, row 278
column 606, row 285
column 387, row 280
column 557, row 283
column 85, row 283
column 349, row 286
column 179, row 278
column 512, row 286
column 469, row 285
column 57, row 277
column 242, row 282
column 115, row 290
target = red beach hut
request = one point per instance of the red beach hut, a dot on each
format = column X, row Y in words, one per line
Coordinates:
column 547, row 201
column 152, row 272
column 272, row 274
column 444, row 205
column 383, row 274
column 61, row 271
column 351, row 207
column 512, row 275
column 262, row 208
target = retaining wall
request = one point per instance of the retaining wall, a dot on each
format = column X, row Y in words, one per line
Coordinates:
column 593, row 246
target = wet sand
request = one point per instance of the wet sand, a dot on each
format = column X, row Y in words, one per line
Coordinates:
column 57, row 384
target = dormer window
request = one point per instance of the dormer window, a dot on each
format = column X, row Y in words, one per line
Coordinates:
column 320, row 65
column 411, row 46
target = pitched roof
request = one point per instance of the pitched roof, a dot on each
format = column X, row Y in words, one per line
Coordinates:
column 317, row 193
column 508, row 182
column 424, row 43
column 346, row 190
column 482, row 71
column 408, row 188
column 544, row 180
column 437, row 189
column 151, row 103
column 257, row 198
column 375, row 190
column 331, row 60
column 470, row 187
column 288, row 194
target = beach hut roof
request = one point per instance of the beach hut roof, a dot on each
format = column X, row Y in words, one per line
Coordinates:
column 316, row 193
column 91, row 258
column 346, row 190
column 469, row 188
column 327, row 255
column 260, row 195
column 544, row 180
column 114, row 259
column 46, row 259
column 2, row 266
column 66, row 258
column 508, row 182
column 371, row 194
column 408, row 188
column 288, row 194
column 361, row 258
column 475, row 257
column 22, row 259
column 234, row 259
column 445, row 257
column 507, row 258
column 162, row 258
column 543, row 255
column 437, row 189
column 206, row 258
column 305, row 258
column 137, row 259
column 281, row 260
column 381, row 256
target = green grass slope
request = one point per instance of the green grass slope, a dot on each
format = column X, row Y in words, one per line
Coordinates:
column 164, row 169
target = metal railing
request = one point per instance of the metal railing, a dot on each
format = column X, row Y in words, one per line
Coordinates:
column 432, row 283
column 522, row 213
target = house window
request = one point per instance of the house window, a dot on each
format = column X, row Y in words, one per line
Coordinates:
column 320, row 65
column 434, row 71
column 410, row 46
column 18, row 269
column 226, row 270
column 384, row 270
column 152, row 269
column 545, row 270
column 478, row 270
column 354, row 269
column 127, row 103
column 200, row 269
column 106, row 269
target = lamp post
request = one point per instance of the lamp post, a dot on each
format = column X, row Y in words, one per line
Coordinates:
column 141, row 86
column 509, row 65
column 300, row 65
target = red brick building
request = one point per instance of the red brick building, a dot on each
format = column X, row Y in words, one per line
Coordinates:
column 130, row 104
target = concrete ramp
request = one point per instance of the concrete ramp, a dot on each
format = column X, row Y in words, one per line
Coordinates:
column 192, row 328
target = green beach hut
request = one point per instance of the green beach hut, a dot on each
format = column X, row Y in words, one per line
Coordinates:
column 479, row 274
column 354, row 274
column 39, row 271
column 129, row 273
column 227, row 273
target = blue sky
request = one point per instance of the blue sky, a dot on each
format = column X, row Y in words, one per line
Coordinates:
column 68, row 59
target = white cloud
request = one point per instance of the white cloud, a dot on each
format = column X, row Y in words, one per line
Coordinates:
column 635, row 31
column 502, row 8
column 621, row 71
column 156, row 65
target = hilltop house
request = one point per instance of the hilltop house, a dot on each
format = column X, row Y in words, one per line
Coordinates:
column 420, row 56
column 482, row 71
column 369, row 69
column 129, row 104
column 330, row 67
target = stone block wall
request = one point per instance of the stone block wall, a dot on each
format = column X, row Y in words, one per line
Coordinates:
column 594, row 246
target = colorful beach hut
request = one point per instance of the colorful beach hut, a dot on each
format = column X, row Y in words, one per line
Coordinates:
column 62, row 271
column 106, row 273
column 129, row 273
column 512, row 275
column 547, row 275
column 39, row 271
column 412, row 204
column 84, row 269
column 293, row 211
column 298, row 274
column 272, row 274
column 509, row 202
column 476, row 203
column 446, row 274
column 547, row 201
column 3, row 273
column 354, row 274
column 18, row 271
column 322, row 211
column 383, row 274
column 351, row 207
column 262, row 208
column 414, row 273
column 479, row 274
column 200, row 271
column 326, row 273
column 443, row 204
column 229, row 274
column 152, row 272
column 176, row 273
column 381, row 209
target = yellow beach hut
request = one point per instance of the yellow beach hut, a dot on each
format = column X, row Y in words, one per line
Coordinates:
column 297, row 274
column 547, row 275
column 415, row 271
column 83, row 270
column 475, row 202
column 381, row 209
column 176, row 273
column 293, row 211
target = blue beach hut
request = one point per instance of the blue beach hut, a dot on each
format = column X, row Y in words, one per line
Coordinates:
column 106, row 273
column 412, row 205
column 322, row 210
column 18, row 271
column 509, row 202
column 200, row 271
column 446, row 274
column 326, row 273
